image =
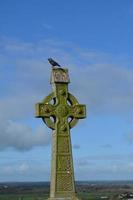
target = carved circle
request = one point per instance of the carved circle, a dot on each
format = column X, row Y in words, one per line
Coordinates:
column 46, row 109
column 49, row 122
column 62, row 110
column 72, row 101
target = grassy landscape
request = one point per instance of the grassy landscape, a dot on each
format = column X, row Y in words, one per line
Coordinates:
column 85, row 191
column 82, row 196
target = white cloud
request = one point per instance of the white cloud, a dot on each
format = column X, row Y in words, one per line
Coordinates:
column 22, row 137
column 23, row 167
column 24, row 171
column 85, row 169
column 108, row 167
column 105, row 85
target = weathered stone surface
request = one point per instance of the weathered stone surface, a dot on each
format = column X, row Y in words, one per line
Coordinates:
column 55, row 110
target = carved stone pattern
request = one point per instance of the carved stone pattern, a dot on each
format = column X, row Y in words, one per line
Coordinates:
column 63, row 128
column 42, row 109
column 62, row 177
column 76, row 110
column 64, row 182
column 62, row 110
column 62, row 91
column 64, row 163
column 54, row 142
column 60, row 76
column 63, row 145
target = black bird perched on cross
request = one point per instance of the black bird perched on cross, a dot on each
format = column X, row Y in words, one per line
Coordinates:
column 53, row 62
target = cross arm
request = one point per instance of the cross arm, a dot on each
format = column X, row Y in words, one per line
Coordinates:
column 44, row 110
column 78, row 111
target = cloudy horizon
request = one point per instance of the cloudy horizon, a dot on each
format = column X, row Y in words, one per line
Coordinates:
column 101, row 73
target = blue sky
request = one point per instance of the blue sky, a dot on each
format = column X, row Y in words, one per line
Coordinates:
column 93, row 39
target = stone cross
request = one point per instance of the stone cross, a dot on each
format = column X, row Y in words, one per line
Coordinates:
column 61, row 111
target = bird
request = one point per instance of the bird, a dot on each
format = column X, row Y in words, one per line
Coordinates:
column 53, row 62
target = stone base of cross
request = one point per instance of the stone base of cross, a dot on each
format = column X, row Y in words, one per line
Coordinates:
column 61, row 111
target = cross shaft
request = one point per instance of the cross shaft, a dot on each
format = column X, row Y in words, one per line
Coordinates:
column 61, row 115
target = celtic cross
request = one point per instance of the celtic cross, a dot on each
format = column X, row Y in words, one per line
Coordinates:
column 61, row 111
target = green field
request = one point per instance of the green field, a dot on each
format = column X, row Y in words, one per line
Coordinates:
column 83, row 196
column 23, row 197
column 85, row 191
